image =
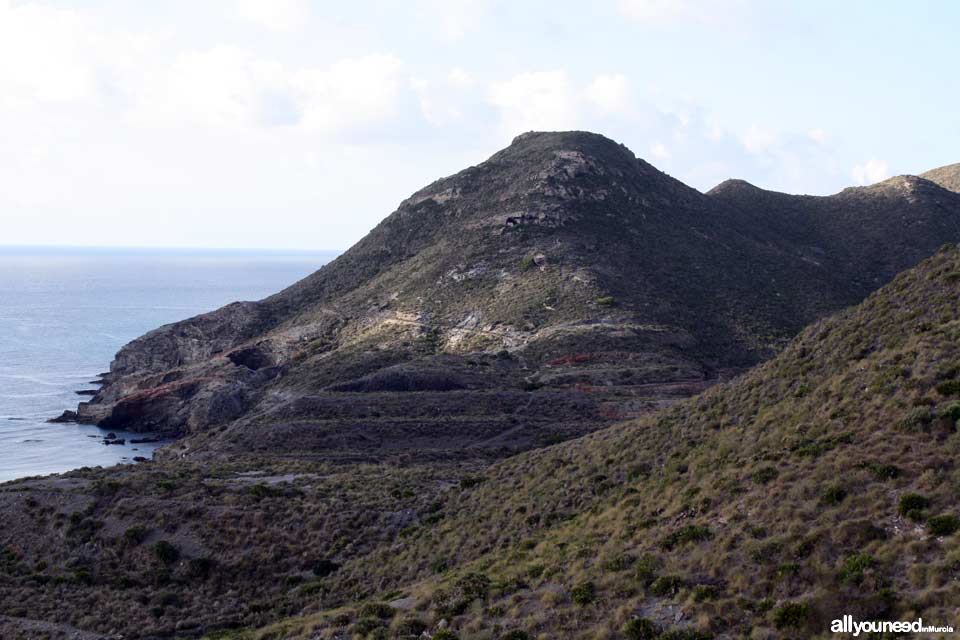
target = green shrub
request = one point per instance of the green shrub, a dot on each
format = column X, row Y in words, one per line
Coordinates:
column 366, row 626
column 666, row 586
column 640, row 629
column 527, row 263
column 951, row 411
column 583, row 593
column 765, row 475
column 912, row 505
column 410, row 627
column 834, row 494
column 689, row 533
column 646, row 567
column 703, row 592
column 377, row 610
column 324, row 567
column 199, row 567
column 918, row 419
column 685, row 634
column 949, row 388
column 943, row 525
column 885, row 471
column 855, row 566
column 793, row 615
column 445, row 634
column 788, row 569
column 515, row 634
column 165, row 552
column 606, row 301
column 134, row 536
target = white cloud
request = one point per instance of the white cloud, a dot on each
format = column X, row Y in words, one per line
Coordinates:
column 540, row 100
column 758, row 139
column 817, row 135
column 660, row 151
column 609, row 93
column 871, row 171
column 274, row 15
column 230, row 87
column 460, row 79
column 455, row 18
column 668, row 11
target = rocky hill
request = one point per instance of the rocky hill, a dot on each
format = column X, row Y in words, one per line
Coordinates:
column 544, row 293
column 947, row 177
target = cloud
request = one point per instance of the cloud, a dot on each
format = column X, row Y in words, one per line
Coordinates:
column 539, row 100
column 609, row 93
column 871, row 171
column 669, row 11
column 455, row 18
column 274, row 15
column 758, row 139
column 460, row 79
column 660, row 151
column 229, row 87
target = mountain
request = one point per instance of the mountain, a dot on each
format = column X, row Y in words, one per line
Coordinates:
column 559, row 286
column 820, row 484
column 477, row 414
column 947, row 177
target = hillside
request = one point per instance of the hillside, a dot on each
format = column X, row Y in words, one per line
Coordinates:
column 947, row 176
column 822, row 483
column 559, row 286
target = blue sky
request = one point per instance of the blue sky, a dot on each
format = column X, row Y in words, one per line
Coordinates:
column 300, row 124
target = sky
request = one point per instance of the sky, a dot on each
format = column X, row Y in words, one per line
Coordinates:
column 300, row 124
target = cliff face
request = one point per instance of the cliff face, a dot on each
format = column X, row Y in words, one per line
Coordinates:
column 562, row 272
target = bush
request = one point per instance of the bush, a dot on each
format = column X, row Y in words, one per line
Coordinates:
column 445, row 634
column 377, row 610
column 515, row 634
column 689, row 533
column 703, row 592
column 199, row 567
column 641, row 629
column 666, row 586
column 527, row 263
column 584, row 593
column 949, row 388
column 951, row 411
column 793, row 615
column 646, row 567
column 324, row 567
column 943, row 525
column 606, row 301
column 834, row 494
column 765, row 475
column 410, row 627
column 854, row 567
column 912, row 506
column 885, row 471
column 685, row 634
column 134, row 536
column 166, row 552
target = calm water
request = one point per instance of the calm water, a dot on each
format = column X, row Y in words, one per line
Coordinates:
column 65, row 312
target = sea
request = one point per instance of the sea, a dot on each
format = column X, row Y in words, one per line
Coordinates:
column 64, row 313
